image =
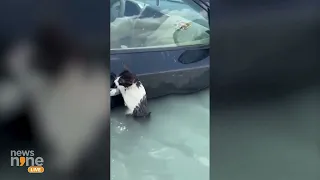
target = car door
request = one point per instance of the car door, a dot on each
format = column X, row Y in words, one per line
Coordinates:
column 167, row 46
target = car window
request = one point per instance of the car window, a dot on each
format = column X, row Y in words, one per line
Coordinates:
column 171, row 24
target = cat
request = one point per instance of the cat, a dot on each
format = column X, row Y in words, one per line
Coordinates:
column 66, row 93
column 133, row 93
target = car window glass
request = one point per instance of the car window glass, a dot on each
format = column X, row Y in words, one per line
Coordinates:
column 171, row 24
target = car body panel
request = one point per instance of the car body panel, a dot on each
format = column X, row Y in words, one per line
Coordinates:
column 162, row 73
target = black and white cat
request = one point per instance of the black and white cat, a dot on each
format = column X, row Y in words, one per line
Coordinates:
column 65, row 90
column 133, row 93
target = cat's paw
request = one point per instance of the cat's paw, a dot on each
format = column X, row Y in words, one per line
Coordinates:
column 114, row 91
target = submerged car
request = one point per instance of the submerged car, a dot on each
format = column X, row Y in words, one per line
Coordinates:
column 166, row 43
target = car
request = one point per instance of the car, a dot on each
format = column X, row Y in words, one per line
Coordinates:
column 165, row 43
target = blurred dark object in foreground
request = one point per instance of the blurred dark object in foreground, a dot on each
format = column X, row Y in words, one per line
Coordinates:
column 263, row 48
column 54, row 87
column 265, row 100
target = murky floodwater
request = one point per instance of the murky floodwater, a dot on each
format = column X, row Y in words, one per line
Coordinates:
column 174, row 145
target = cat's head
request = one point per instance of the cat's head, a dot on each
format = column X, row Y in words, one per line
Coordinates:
column 47, row 57
column 126, row 79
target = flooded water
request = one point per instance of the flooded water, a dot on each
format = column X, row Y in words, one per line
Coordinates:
column 174, row 145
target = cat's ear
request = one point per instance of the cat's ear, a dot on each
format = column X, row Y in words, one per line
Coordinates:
column 125, row 67
column 133, row 78
column 55, row 45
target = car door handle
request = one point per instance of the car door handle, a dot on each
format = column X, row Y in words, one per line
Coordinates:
column 193, row 56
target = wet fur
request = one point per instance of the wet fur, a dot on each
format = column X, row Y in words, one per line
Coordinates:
column 133, row 93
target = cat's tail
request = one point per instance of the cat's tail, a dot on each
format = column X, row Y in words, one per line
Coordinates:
column 145, row 116
column 144, row 120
